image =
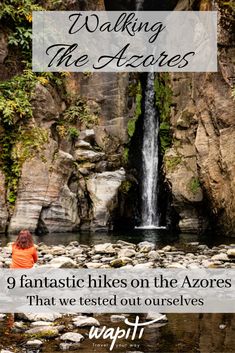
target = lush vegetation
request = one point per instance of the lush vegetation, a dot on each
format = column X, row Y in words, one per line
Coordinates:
column 135, row 91
column 163, row 96
column 171, row 163
column 17, row 15
column 231, row 4
column 194, row 185
column 77, row 115
column 18, row 139
column 125, row 187
column 125, row 155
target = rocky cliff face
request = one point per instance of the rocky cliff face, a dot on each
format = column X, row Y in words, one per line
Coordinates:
column 200, row 165
column 77, row 176
column 74, row 183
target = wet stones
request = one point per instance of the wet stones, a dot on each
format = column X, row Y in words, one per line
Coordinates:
column 39, row 317
column 146, row 246
column 128, row 255
column 126, row 252
column 72, row 337
column 43, row 332
column 63, row 262
column 85, row 321
column 34, row 343
column 120, row 262
column 231, row 252
column 104, row 249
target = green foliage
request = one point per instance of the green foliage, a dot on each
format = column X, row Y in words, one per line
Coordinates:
column 15, row 95
column 138, row 110
column 17, row 14
column 163, row 96
column 79, row 112
column 22, row 38
column 134, row 89
column 29, row 143
column 125, row 187
column 7, row 165
column 177, row 143
column 87, row 74
column 76, row 116
column 131, row 127
column 73, row 133
column 18, row 10
column 16, row 146
column 125, row 155
column 55, row 79
column 18, row 140
column 231, row 4
column 165, row 136
column 194, row 185
column 171, row 162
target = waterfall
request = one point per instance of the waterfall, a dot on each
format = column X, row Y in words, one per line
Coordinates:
column 139, row 5
column 150, row 217
column 149, row 207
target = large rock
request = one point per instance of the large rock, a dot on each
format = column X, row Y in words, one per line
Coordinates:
column 146, row 246
column 72, row 337
column 46, row 105
column 62, row 262
column 62, row 215
column 85, row 321
column 231, row 252
column 106, row 248
column 88, row 155
column 126, row 253
column 3, row 207
column 34, row 343
column 181, row 172
column 43, row 332
column 44, row 202
column 103, row 191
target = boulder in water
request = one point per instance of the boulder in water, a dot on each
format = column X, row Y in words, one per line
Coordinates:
column 72, row 337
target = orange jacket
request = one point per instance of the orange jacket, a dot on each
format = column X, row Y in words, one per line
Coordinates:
column 23, row 258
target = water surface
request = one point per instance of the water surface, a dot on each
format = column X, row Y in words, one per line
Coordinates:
column 160, row 237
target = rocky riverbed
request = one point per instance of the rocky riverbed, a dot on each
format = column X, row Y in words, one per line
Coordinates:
column 67, row 332
column 128, row 255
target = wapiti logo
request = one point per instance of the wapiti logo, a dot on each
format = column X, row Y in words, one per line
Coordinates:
column 113, row 334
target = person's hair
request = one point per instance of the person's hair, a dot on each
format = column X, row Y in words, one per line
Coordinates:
column 24, row 240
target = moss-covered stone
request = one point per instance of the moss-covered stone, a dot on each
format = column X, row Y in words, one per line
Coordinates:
column 163, row 94
column 171, row 162
column 138, row 101
column 194, row 185
column 125, row 187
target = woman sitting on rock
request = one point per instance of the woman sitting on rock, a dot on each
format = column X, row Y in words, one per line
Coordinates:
column 24, row 253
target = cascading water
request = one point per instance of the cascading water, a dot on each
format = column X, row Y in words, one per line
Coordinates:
column 150, row 216
column 149, row 207
column 139, row 5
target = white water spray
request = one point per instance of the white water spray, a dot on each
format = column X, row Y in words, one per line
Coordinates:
column 139, row 5
column 150, row 216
